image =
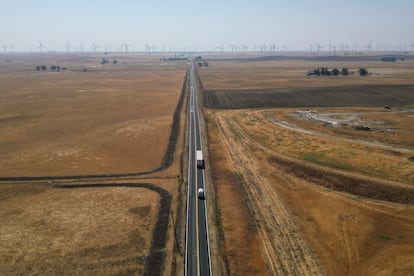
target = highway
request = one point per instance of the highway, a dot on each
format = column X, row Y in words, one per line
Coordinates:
column 197, row 255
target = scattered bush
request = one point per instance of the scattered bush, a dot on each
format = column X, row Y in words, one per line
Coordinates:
column 363, row 72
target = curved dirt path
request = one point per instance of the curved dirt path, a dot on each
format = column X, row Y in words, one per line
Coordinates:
column 293, row 127
column 284, row 248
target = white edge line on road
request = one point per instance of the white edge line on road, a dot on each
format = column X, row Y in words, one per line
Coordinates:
column 188, row 184
column 204, row 181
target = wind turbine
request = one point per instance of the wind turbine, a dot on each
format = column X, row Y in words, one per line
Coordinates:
column 81, row 47
column 311, row 48
column 221, row 48
column 318, row 47
column 370, row 47
column 147, row 48
column 342, row 48
column 5, row 47
column 95, row 47
column 263, row 48
column 41, row 47
column 412, row 47
column 67, row 46
column 125, row 46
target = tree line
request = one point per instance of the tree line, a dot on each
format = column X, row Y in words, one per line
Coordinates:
column 325, row 71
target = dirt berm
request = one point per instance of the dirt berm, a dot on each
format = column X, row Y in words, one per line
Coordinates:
column 346, row 183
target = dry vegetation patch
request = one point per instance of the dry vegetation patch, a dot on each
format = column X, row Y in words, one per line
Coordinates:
column 347, row 155
column 239, row 241
column 61, row 231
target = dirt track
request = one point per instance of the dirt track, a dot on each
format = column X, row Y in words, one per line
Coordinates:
column 284, row 248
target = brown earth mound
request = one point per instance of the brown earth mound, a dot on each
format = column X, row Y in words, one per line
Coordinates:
column 346, row 183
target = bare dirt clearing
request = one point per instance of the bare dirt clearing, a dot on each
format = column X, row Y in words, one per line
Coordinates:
column 111, row 119
column 376, row 125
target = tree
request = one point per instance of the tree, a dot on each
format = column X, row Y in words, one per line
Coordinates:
column 345, row 71
column 335, row 72
column 363, row 72
column 37, row 67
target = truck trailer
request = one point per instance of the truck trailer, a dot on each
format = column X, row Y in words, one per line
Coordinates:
column 200, row 160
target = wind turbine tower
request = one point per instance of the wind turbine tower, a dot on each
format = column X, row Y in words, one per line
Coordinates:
column 125, row 46
column 68, row 47
column 318, row 47
column 95, row 47
column 41, row 47
column 370, row 47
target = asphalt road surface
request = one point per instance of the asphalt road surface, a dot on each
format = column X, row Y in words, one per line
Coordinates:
column 197, row 259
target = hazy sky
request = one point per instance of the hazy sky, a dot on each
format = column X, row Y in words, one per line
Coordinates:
column 205, row 24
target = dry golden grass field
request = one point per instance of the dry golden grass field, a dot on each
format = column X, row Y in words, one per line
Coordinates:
column 114, row 118
column 297, row 195
column 59, row 131
column 62, row 231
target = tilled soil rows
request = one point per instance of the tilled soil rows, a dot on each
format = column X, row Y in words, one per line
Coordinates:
column 351, row 96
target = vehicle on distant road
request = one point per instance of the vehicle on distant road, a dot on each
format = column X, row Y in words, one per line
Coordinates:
column 201, row 194
column 200, row 160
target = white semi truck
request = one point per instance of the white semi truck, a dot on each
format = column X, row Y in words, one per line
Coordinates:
column 200, row 160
